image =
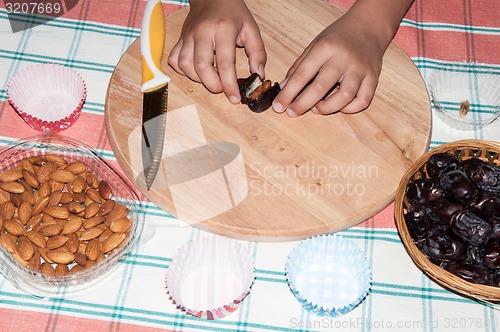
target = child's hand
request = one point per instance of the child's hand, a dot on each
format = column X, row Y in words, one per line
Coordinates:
column 206, row 50
column 348, row 52
column 342, row 53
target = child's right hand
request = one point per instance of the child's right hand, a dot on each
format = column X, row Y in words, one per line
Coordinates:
column 206, row 50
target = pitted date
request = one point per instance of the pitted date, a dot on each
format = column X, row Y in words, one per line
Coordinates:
column 470, row 227
column 454, row 216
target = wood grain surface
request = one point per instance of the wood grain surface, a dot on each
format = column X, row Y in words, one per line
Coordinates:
column 305, row 176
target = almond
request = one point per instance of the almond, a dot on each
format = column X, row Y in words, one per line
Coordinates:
column 76, row 167
column 107, row 232
column 25, row 248
column 36, row 238
column 73, row 243
column 4, row 196
column 92, row 222
column 40, row 205
column 12, row 187
column 93, row 249
column 56, row 186
column 113, row 241
column 34, row 222
column 43, row 173
column 34, row 262
column 92, row 180
column 75, row 269
column 91, row 233
column 31, row 178
column 78, row 185
column 62, row 175
column 66, row 198
column 79, row 198
column 73, row 224
column 14, row 227
column 75, row 207
column 60, row 256
column 50, row 230
column 105, row 190
column 7, row 242
column 120, row 211
column 37, row 160
column 61, row 270
column 93, row 194
column 7, row 210
column 59, row 212
column 45, row 189
column 60, row 161
column 106, row 207
column 24, row 212
column 89, row 264
column 27, row 165
column 55, row 198
column 56, row 241
column 11, row 175
column 120, row 225
column 28, row 196
column 80, row 258
column 91, row 210
column 47, row 269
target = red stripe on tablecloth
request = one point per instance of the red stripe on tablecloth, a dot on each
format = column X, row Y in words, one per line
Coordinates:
column 22, row 320
column 449, row 45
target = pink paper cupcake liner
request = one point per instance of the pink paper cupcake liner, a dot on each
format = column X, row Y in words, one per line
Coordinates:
column 49, row 97
column 210, row 277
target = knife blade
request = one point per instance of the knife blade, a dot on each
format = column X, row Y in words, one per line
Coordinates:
column 154, row 88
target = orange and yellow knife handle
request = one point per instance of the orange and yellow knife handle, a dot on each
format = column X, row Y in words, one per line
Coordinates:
column 152, row 44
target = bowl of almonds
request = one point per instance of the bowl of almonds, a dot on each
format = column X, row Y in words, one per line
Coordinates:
column 67, row 217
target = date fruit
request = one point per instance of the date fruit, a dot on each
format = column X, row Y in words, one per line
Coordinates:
column 453, row 216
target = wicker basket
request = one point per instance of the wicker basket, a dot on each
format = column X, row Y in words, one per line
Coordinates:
column 486, row 150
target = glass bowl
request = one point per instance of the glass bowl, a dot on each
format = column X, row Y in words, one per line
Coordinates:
column 465, row 97
column 42, row 285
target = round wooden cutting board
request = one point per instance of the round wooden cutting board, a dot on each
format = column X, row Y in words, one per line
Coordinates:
column 301, row 177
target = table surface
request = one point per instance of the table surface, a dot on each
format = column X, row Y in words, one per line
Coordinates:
column 91, row 38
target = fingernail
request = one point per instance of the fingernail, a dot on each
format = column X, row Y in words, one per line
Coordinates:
column 234, row 99
column 291, row 113
column 278, row 107
column 315, row 110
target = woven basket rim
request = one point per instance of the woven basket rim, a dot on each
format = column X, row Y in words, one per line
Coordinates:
column 436, row 273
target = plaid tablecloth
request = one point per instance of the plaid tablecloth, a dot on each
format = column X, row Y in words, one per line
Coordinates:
column 91, row 37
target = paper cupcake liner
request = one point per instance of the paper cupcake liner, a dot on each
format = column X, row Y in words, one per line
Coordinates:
column 210, row 277
column 450, row 90
column 328, row 274
column 49, row 97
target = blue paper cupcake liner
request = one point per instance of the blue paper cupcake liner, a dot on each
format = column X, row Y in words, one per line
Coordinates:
column 328, row 274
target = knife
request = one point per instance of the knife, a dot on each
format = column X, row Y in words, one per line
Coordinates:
column 154, row 88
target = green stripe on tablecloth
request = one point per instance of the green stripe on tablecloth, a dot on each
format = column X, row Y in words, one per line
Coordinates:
column 107, row 29
column 450, row 27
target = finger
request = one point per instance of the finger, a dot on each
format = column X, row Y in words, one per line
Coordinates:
column 204, row 65
column 302, row 75
column 256, row 52
column 173, row 57
column 363, row 97
column 186, row 60
column 348, row 89
column 225, row 61
column 316, row 90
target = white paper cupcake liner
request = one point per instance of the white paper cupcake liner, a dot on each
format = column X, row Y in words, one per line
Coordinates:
column 49, row 97
column 210, row 277
column 328, row 274
column 454, row 87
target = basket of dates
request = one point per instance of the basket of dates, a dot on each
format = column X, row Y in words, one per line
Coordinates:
column 447, row 211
